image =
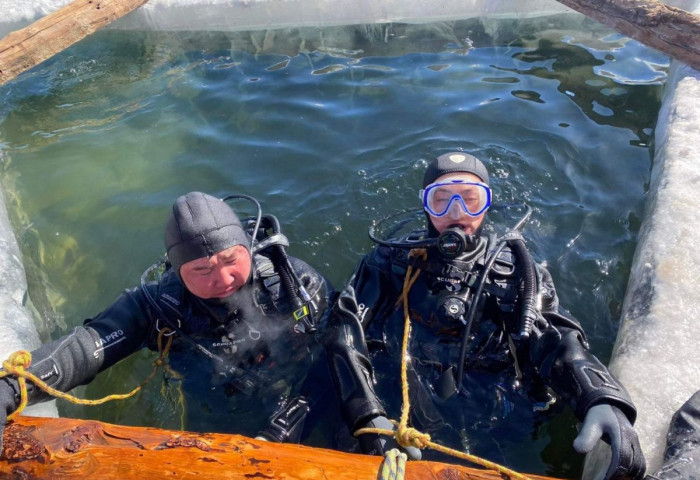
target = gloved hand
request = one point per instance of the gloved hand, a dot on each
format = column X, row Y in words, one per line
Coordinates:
column 287, row 423
column 609, row 423
column 372, row 444
column 7, row 405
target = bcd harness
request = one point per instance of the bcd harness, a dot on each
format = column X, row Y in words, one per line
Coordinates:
column 458, row 280
column 462, row 273
column 461, row 270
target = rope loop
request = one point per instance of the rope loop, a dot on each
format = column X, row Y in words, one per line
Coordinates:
column 394, row 465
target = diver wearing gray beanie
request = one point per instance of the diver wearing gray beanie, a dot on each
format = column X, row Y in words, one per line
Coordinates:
column 239, row 339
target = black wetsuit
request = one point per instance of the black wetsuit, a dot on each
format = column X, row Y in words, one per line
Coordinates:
column 682, row 456
column 507, row 381
column 261, row 359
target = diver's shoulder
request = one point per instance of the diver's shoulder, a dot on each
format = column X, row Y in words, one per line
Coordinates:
column 302, row 267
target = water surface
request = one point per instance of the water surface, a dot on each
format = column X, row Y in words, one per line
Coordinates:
column 329, row 129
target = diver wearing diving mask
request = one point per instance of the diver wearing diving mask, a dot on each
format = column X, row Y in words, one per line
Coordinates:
column 488, row 343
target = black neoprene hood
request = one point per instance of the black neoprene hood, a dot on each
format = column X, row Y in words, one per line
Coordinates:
column 201, row 226
column 455, row 162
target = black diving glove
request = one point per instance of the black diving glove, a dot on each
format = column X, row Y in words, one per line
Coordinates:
column 609, row 423
column 287, row 423
column 373, row 444
column 682, row 444
column 8, row 404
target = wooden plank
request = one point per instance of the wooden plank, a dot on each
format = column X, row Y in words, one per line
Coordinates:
column 53, row 33
column 672, row 31
column 51, row 448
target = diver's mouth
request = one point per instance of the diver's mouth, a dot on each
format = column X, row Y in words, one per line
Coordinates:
column 457, row 225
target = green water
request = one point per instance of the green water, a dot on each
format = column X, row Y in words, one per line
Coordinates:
column 329, row 129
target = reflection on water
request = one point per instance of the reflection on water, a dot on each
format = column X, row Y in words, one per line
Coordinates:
column 329, row 129
column 603, row 99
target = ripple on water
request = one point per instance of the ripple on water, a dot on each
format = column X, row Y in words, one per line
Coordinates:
column 330, row 130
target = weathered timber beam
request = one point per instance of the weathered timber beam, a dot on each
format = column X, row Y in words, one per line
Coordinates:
column 25, row 48
column 672, row 31
column 50, row 448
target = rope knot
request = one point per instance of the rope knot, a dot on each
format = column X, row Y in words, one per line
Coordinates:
column 20, row 359
column 410, row 437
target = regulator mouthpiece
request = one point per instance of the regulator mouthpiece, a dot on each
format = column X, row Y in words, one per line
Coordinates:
column 453, row 242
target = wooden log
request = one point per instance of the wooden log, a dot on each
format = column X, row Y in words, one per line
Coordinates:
column 51, row 448
column 53, row 33
column 672, row 31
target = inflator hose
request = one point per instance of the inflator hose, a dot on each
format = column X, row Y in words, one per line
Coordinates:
column 471, row 313
column 522, row 253
column 280, row 258
column 528, row 289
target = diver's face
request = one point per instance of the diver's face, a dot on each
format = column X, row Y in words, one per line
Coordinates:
column 456, row 216
column 219, row 275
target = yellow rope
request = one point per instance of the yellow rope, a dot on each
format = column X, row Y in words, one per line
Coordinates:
column 19, row 361
column 405, row 435
column 394, row 465
column 171, row 391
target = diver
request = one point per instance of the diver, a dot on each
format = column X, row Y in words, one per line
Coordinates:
column 490, row 353
column 247, row 323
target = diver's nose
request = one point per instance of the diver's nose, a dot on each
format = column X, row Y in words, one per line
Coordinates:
column 223, row 276
column 455, row 211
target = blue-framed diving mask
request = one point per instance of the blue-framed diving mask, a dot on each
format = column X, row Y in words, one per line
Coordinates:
column 443, row 198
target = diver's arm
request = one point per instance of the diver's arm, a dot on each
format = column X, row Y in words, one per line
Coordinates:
column 348, row 358
column 77, row 357
column 549, row 304
column 559, row 352
column 368, row 297
column 562, row 360
column 364, row 298
column 599, row 401
column 351, row 371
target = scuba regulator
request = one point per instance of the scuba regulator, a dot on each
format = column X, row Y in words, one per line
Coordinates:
column 453, row 242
